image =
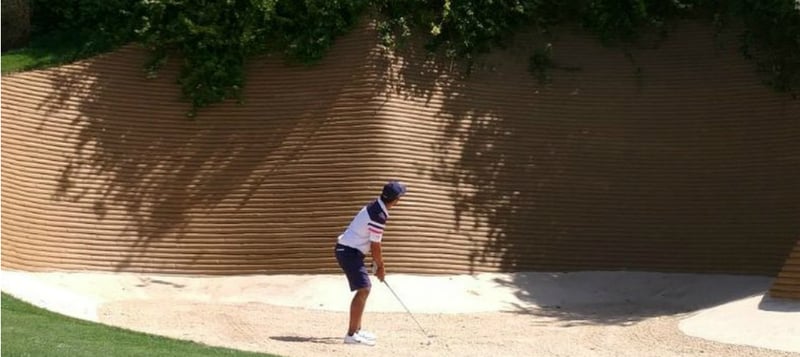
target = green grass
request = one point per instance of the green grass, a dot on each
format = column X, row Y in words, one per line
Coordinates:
column 48, row 50
column 30, row 331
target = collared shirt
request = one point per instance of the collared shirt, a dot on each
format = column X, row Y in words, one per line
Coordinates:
column 366, row 227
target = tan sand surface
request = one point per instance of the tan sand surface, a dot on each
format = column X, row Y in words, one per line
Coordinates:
column 521, row 314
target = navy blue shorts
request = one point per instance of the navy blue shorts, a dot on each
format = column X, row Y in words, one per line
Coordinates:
column 351, row 260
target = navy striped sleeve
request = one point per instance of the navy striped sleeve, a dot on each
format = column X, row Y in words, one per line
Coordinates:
column 376, row 214
column 377, row 221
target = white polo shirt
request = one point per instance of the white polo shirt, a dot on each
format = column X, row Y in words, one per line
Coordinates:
column 366, row 227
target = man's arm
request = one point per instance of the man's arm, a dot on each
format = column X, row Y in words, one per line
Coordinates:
column 377, row 259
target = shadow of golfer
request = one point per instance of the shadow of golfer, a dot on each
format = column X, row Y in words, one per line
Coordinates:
column 324, row 340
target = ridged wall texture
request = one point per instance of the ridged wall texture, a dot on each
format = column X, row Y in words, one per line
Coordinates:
column 672, row 158
column 787, row 284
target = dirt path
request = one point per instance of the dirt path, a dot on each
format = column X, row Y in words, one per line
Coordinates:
column 299, row 332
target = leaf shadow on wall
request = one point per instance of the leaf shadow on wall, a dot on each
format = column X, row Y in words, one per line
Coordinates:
column 614, row 167
column 156, row 179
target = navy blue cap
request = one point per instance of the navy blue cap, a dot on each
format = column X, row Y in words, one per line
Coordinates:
column 392, row 190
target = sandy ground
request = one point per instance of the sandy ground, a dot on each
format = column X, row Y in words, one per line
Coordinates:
column 523, row 314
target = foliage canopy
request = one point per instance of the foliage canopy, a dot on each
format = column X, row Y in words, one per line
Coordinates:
column 216, row 37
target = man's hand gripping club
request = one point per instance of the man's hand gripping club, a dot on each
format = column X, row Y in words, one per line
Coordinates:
column 377, row 261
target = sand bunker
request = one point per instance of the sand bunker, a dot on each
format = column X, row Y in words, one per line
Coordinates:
column 522, row 314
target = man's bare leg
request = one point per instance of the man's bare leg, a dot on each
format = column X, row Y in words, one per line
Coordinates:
column 357, row 310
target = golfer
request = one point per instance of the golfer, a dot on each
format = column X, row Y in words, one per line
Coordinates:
column 359, row 239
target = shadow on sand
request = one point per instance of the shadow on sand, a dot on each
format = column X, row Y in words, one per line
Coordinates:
column 624, row 298
column 768, row 303
column 324, row 340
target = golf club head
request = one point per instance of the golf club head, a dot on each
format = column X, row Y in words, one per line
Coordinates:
column 374, row 269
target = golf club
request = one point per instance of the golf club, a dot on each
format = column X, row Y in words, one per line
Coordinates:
column 374, row 269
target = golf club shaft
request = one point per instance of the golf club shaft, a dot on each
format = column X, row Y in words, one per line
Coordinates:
column 405, row 307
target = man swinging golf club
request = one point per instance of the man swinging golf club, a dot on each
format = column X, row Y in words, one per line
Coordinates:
column 359, row 239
